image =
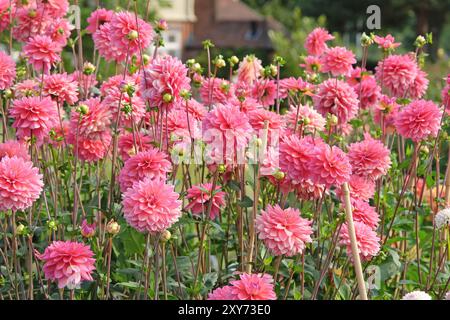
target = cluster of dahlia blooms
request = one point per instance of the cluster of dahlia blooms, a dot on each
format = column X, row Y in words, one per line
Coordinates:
column 225, row 181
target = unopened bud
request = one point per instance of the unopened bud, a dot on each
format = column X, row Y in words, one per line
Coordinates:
column 221, row 168
column 8, row 94
column 133, row 35
column 332, row 119
column 20, row 229
column 167, row 98
column 112, row 227
column 366, row 40
column 88, row 68
column 162, row 25
column 165, row 236
column 220, row 63
column 83, row 109
column 279, row 175
column 420, row 41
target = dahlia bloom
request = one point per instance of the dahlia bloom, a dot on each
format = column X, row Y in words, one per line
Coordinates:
column 295, row 155
column 129, row 33
column 284, row 232
column 360, row 188
column 249, row 69
column 98, row 18
column 338, row 98
column 308, row 119
column 151, row 206
column 329, row 166
column 315, row 42
column 87, row 230
column 307, row 190
column 61, row 87
column 265, row 91
column 127, row 149
column 26, row 88
column 295, row 85
column 29, row 22
column 338, row 61
column 34, row 117
column 397, row 73
column 312, row 64
column 446, row 95
column 442, row 218
column 419, row 120
column 151, row 164
column 106, row 48
column 417, row 295
column 367, row 239
column 59, row 31
column 224, row 293
column 7, row 71
column 13, row 148
column 385, row 112
column 253, row 287
column 5, row 12
column 369, row 158
column 366, row 87
column 68, row 263
column 365, row 213
column 132, row 108
column 20, row 184
column 96, row 121
column 199, row 198
column 216, row 90
column 55, row 8
column 420, row 85
column 91, row 148
column 257, row 117
column 195, row 109
column 165, row 77
column 386, row 43
column 42, row 52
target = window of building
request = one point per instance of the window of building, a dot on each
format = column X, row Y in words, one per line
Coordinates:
column 254, row 31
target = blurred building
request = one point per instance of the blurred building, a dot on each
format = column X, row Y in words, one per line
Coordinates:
column 227, row 23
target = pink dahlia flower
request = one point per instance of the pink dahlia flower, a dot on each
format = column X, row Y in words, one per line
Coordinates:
column 420, row 85
column 360, row 188
column 195, row 109
column 312, row 64
column 151, row 164
column 249, row 69
column 387, row 42
column 127, row 147
column 151, row 206
column 55, row 8
column 7, row 71
column 132, row 108
column 338, row 98
column 129, row 33
column 338, row 61
column 253, row 287
column 446, row 95
column 397, row 73
column 369, row 158
column 42, row 52
column 13, row 148
column 385, row 112
column 224, row 293
column 92, row 124
column 366, row 87
column 6, row 7
column 216, row 90
column 365, row 213
column 88, row 230
column 199, row 198
column 98, row 18
column 34, row 117
column 307, row 190
column 61, row 87
column 91, row 148
column 308, row 119
column 258, row 117
column 265, row 91
column 29, row 22
column 419, row 120
column 329, row 166
column 59, row 31
column 284, row 232
column 68, row 263
column 417, row 295
column 26, row 88
column 20, row 184
column 106, row 48
column 163, row 80
column 295, row 86
column 315, row 42
column 367, row 239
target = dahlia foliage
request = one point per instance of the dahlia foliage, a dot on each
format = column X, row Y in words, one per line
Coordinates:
column 224, row 181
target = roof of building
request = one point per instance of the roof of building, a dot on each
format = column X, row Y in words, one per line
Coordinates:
column 234, row 10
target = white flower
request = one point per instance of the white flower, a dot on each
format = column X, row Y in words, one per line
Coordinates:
column 442, row 218
column 417, row 295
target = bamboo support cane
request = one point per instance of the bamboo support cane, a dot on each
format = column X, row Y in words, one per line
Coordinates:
column 354, row 244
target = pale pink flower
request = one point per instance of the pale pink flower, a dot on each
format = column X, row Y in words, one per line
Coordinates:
column 151, row 206
column 387, row 42
column 283, row 232
column 106, row 48
column 253, row 287
column 5, row 13
column 7, row 71
column 152, row 164
column 68, row 263
column 26, row 88
column 61, row 87
column 315, row 42
column 338, row 98
column 94, row 123
column 55, row 8
column 369, row 158
column 365, row 86
column 91, row 148
column 417, row 295
column 385, row 112
column 165, row 77
column 42, row 52
column 11, row 148
column 397, row 73
column 367, row 240
column 265, row 91
column 199, row 197
column 129, row 33
column 249, row 69
column 59, row 31
column 329, row 166
column 365, row 213
column 98, row 18
column 312, row 64
column 224, row 293
column 419, row 120
column 20, row 184
column 419, row 86
column 338, row 61
column 34, row 117
column 359, row 187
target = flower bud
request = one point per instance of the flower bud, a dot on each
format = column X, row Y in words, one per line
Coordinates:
column 167, row 98
column 112, row 227
column 279, row 175
column 420, row 41
column 20, row 229
column 87, row 230
column 133, row 35
column 366, row 40
column 52, row 225
column 83, row 109
column 220, row 63
column 8, row 94
column 165, row 236
column 332, row 119
column 162, row 25
column 221, row 168
column 234, row 60
column 145, row 59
